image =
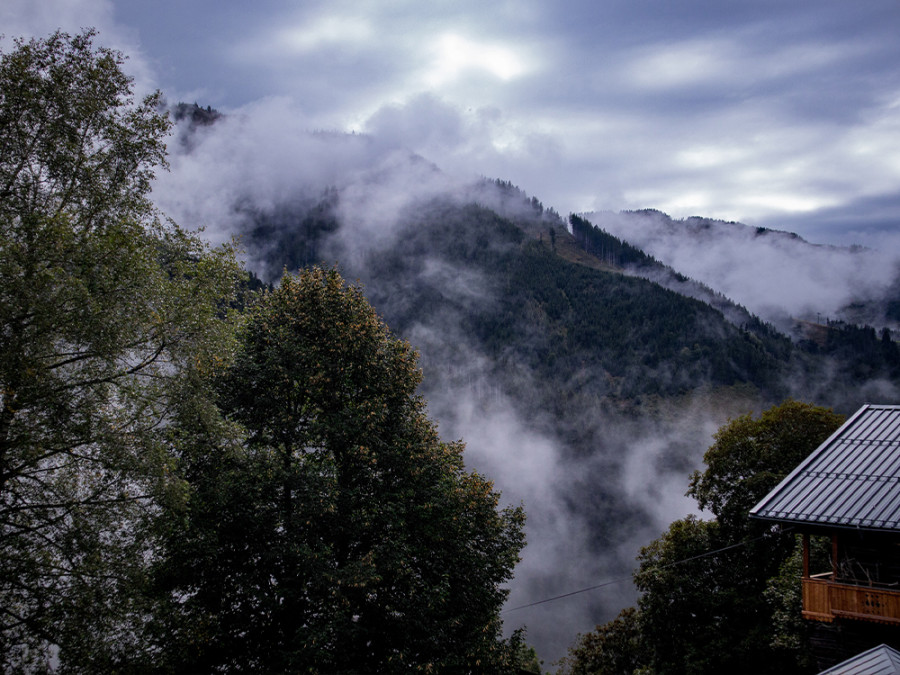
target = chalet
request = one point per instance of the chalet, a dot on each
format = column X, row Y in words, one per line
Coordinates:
column 848, row 492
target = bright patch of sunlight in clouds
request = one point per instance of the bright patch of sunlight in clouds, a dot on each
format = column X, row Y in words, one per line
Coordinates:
column 760, row 204
column 691, row 201
column 878, row 141
column 708, row 156
column 454, row 55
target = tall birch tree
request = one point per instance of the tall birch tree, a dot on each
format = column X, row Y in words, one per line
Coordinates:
column 107, row 311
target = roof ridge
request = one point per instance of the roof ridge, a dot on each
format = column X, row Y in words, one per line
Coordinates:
column 848, row 481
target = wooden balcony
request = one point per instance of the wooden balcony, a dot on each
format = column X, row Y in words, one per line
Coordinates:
column 825, row 600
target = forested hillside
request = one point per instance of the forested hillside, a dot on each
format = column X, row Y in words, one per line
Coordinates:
column 527, row 300
column 588, row 332
column 542, row 353
column 777, row 275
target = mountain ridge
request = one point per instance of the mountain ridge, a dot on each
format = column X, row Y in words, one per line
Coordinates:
column 752, row 265
column 583, row 390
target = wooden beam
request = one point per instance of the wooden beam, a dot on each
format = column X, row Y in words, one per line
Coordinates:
column 834, row 556
column 805, row 555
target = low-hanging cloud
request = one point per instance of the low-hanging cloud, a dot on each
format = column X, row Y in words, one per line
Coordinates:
column 587, row 515
column 463, row 141
column 775, row 275
column 266, row 157
column 269, row 153
column 592, row 106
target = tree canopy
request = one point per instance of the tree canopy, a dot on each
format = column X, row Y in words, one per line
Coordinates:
column 751, row 455
column 341, row 534
column 106, row 312
column 712, row 591
column 206, row 498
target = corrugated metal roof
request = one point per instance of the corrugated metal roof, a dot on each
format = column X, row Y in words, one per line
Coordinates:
column 851, row 480
column 881, row 660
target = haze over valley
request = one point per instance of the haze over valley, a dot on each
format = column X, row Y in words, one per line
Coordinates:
column 585, row 389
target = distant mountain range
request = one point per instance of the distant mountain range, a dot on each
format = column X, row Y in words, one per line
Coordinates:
column 586, row 361
column 777, row 275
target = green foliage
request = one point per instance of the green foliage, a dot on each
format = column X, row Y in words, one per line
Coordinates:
column 717, row 602
column 751, row 456
column 582, row 332
column 522, row 657
column 73, row 142
column 717, row 595
column 341, row 535
column 611, row 649
column 646, row 339
column 705, row 615
column 862, row 354
column 322, row 526
column 784, row 594
column 107, row 314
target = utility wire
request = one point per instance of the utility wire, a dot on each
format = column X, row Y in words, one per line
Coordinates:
column 652, row 569
column 566, row 595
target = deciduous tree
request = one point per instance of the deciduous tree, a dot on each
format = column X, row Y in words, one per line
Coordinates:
column 751, row 455
column 612, row 649
column 342, row 535
column 106, row 311
column 703, row 606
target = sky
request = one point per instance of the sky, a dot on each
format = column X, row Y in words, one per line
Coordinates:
column 774, row 113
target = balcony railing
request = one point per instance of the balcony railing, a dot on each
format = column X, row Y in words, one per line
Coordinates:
column 825, row 600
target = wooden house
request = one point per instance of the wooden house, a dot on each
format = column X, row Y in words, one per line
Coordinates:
column 848, row 491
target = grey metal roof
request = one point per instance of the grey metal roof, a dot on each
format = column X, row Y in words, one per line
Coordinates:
column 881, row 660
column 851, row 480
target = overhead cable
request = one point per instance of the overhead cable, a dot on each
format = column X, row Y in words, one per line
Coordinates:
column 652, row 569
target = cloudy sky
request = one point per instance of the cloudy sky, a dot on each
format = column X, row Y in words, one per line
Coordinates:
column 771, row 112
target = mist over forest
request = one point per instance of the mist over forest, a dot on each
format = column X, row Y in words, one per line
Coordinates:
column 586, row 385
column 777, row 275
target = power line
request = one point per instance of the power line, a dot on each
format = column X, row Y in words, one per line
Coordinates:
column 653, row 569
column 566, row 595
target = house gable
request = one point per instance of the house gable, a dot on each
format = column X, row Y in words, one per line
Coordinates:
column 852, row 480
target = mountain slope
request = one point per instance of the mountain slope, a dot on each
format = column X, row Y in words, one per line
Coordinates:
column 583, row 329
column 777, row 275
column 582, row 389
column 519, row 342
